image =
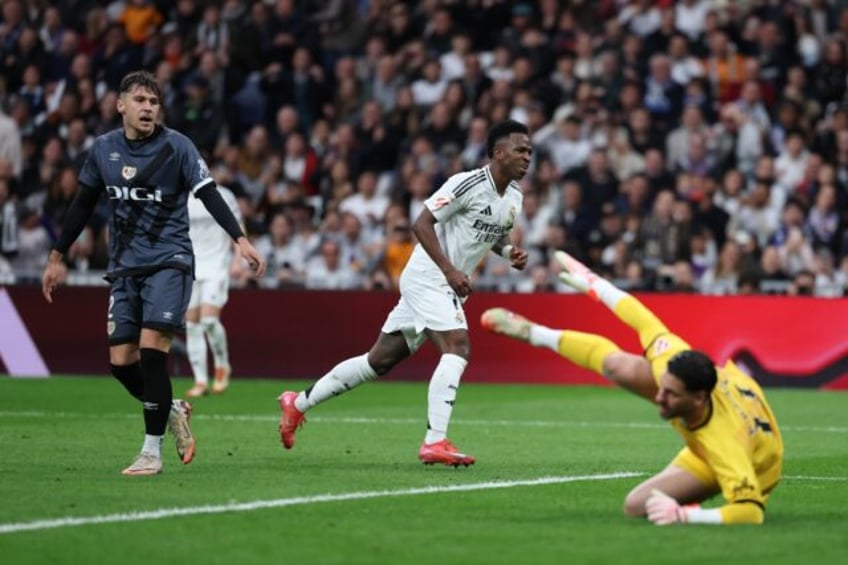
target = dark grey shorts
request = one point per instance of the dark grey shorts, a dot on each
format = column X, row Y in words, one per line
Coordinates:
column 157, row 301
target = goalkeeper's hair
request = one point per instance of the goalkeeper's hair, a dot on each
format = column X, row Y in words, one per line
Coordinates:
column 502, row 130
column 695, row 369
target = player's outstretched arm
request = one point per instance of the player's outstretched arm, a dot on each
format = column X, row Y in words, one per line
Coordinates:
column 664, row 510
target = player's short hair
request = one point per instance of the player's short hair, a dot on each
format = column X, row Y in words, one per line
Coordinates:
column 501, row 130
column 695, row 369
column 143, row 79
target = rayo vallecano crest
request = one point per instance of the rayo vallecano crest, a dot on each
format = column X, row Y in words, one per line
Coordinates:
column 128, row 172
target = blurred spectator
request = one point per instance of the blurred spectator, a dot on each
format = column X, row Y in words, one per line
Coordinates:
column 724, row 67
column 678, row 140
column 140, row 19
column 429, row 89
column 803, row 284
column 663, row 238
column 368, row 206
column 540, row 280
column 33, row 244
column 8, row 222
column 830, row 75
column 256, row 165
column 10, row 143
column 791, row 162
column 198, row 117
column 823, row 221
column 759, row 213
column 723, row 277
column 568, row 148
column 398, row 245
column 286, row 258
column 796, row 253
column 328, row 272
column 735, row 108
column 663, row 97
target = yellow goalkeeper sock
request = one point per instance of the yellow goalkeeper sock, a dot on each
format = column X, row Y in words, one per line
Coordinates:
column 586, row 350
column 633, row 313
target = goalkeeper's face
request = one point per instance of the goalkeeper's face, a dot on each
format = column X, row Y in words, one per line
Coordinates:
column 673, row 400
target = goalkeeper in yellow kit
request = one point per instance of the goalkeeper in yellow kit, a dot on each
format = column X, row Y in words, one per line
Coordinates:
column 733, row 444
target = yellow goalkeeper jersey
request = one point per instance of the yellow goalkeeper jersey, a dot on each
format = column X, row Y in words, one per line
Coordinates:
column 740, row 440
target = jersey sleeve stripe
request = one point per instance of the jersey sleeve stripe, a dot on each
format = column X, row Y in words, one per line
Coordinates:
column 466, row 185
column 201, row 184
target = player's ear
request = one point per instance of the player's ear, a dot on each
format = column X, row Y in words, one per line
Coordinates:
column 120, row 104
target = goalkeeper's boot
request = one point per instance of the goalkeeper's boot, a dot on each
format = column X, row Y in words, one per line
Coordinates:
column 144, row 464
column 178, row 424
column 443, row 452
column 503, row 322
column 198, row 390
column 290, row 419
column 576, row 275
column 222, row 379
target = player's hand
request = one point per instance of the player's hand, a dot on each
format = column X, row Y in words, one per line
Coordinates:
column 459, row 282
column 518, row 258
column 254, row 259
column 54, row 274
column 664, row 510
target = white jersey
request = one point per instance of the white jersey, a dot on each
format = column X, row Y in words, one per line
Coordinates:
column 471, row 216
column 213, row 247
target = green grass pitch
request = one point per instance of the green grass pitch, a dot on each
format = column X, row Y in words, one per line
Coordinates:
column 554, row 465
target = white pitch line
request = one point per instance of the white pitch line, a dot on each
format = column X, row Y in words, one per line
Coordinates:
column 408, row 421
column 70, row 521
column 812, row 478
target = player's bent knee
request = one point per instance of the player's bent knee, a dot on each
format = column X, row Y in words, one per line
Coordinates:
column 383, row 363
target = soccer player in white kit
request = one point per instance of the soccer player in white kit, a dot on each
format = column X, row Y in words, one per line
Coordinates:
column 471, row 214
column 213, row 254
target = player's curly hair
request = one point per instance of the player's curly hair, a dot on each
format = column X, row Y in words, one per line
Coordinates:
column 502, row 130
column 695, row 369
column 143, row 79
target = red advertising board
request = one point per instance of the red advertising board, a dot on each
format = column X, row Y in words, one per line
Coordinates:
column 781, row 341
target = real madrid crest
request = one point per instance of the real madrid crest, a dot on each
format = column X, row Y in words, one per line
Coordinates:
column 511, row 217
column 110, row 327
column 128, row 172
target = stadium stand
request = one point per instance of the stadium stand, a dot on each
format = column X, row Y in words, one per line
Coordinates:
column 688, row 146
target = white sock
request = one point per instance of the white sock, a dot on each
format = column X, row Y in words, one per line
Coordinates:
column 217, row 336
column 153, row 445
column 343, row 377
column 196, row 348
column 542, row 336
column 608, row 293
column 441, row 395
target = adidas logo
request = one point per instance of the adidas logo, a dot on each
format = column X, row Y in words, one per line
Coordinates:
column 487, row 211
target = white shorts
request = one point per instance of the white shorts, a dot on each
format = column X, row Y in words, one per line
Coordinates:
column 213, row 292
column 424, row 304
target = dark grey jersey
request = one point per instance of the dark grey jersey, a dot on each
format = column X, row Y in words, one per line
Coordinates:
column 147, row 183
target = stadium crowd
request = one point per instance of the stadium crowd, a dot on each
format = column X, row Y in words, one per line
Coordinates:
column 681, row 146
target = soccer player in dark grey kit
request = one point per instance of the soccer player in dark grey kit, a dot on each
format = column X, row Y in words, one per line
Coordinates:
column 147, row 172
